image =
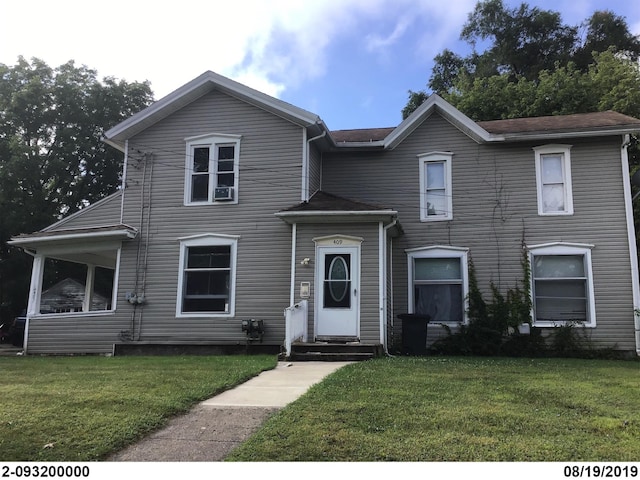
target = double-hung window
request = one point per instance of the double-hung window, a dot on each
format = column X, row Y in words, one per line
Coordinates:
column 562, row 285
column 435, row 186
column 212, row 169
column 207, row 276
column 438, row 284
column 553, row 176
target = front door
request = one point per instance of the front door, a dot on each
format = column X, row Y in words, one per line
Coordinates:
column 337, row 302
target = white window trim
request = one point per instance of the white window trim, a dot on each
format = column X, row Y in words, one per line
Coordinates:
column 563, row 248
column 564, row 150
column 206, row 240
column 211, row 140
column 423, row 159
column 37, row 275
column 441, row 251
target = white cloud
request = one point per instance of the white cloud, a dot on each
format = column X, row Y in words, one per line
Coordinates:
column 374, row 41
column 271, row 45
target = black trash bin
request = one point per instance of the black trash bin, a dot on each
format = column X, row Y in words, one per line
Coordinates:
column 414, row 333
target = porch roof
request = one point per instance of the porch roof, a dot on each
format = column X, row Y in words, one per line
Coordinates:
column 93, row 246
column 56, row 237
column 324, row 207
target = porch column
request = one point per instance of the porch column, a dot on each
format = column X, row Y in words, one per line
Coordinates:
column 88, row 288
column 35, row 289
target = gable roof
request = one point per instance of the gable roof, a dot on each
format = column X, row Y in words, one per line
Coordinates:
column 198, row 87
column 592, row 124
column 434, row 104
column 547, row 127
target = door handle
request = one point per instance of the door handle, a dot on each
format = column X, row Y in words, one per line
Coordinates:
column 355, row 292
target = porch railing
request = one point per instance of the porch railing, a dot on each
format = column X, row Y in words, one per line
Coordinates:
column 296, row 321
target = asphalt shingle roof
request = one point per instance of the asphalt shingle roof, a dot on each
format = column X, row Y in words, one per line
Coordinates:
column 555, row 123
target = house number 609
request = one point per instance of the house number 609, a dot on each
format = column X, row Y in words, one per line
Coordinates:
column 337, row 242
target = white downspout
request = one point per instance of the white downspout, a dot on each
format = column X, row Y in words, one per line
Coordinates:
column 304, row 189
column 124, row 179
column 382, row 280
column 631, row 236
column 294, row 234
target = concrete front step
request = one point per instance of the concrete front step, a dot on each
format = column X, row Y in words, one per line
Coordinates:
column 334, row 352
column 330, row 357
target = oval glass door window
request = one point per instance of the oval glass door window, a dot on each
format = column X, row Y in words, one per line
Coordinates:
column 337, row 283
column 338, row 279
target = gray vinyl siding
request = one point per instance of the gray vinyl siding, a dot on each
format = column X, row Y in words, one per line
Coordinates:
column 270, row 162
column 369, row 280
column 495, row 207
column 104, row 212
column 69, row 335
column 315, row 169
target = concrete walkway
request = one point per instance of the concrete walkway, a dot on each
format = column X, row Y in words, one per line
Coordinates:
column 214, row 427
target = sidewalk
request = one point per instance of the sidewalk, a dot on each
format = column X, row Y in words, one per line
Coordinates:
column 214, row 427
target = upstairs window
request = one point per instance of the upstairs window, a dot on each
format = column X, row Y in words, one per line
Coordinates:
column 212, row 169
column 435, row 186
column 553, row 175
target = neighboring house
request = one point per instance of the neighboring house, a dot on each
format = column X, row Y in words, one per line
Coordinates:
column 69, row 295
column 237, row 206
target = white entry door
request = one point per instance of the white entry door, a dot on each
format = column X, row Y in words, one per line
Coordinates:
column 337, row 301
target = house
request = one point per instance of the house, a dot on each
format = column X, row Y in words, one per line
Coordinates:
column 69, row 295
column 238, row 206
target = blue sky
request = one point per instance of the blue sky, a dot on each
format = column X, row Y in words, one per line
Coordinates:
column 352, row 62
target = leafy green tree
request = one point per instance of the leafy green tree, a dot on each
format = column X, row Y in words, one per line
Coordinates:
column 52, row 159
column 523, row 43
column 524, row 40
column 605, row 30
column 612, row 82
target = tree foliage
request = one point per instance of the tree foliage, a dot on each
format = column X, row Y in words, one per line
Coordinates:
column 612, row 82
column 524, row 40
column 528, row 49
column 52, row 159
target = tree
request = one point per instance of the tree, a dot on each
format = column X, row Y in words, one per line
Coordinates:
column 52, row 159
column 523, row 42
column 605, row 30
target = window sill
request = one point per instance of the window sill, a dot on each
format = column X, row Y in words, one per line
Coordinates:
column 201, row 204
column 204, row 315
column 562, row 324
column 435, row 219
column 555, row 214
column 93, row 313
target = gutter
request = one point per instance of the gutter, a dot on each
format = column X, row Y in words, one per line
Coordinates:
column 115, row 234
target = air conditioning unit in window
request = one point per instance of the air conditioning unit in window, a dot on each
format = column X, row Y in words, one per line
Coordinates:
column 223, row 193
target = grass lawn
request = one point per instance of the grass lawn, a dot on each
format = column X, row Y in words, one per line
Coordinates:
column 460, row 409
column 84, row 408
